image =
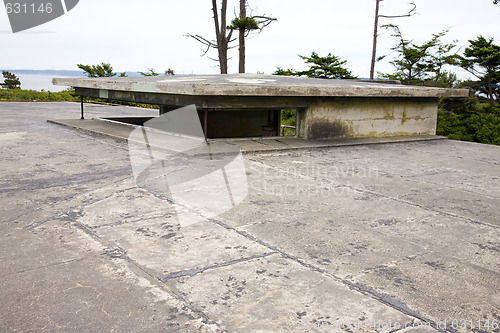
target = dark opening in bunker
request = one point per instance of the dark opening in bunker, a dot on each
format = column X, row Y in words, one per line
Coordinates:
column 236, row 123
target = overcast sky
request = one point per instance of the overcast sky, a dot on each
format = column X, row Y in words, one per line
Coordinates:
column 136, row 35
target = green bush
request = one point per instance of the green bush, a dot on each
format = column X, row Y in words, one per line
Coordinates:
column 469, row 121
column 34, row 95
column 65, row 95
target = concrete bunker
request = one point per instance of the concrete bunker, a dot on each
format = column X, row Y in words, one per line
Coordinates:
column 251, row 105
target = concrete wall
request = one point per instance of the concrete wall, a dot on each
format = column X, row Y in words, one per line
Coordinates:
column 368, row 117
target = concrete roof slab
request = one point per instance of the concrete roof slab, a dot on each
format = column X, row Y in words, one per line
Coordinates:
column 257, row 85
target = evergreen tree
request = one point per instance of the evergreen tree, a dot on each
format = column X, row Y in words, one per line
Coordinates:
column 329, row 67
column 100, row 70
column 421, row 64
column 11, row 81
column 482, row 59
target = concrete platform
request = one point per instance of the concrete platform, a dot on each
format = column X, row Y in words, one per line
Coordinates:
column 366, row 238
column 121, row 131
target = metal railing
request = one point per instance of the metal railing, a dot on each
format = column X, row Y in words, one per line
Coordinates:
column 286, row 126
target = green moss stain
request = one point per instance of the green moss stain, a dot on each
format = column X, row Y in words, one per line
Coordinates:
column 403, row 119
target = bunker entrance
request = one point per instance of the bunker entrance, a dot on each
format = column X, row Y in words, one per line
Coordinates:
column 240, row 123
column 219, row 124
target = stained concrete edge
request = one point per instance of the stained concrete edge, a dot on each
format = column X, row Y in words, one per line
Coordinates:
column 119, row 131
column 248, row 84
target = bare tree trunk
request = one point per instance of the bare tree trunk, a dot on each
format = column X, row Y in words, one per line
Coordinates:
column 243, row 14
column 375, row 35
column 220, row 33
column 411, row 12
column 490, row 89
column 223, row 41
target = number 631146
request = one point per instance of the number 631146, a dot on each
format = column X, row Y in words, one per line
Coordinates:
column 24, row 8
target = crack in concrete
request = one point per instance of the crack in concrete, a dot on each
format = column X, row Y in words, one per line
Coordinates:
column 283, row 142
column 395, row 304
column 117, row 253
column 394, row 263
column 376, row 194
column 42, row 267
column 415, row 178
column 261, row 142
column 81, row 178
column 67, row 215
column 193, row 272
column 205, row 318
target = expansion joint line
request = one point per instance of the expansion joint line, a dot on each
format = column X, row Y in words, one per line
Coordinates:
column 118, row 253
column 365, row 290
column 193, row 272
column 357, row 287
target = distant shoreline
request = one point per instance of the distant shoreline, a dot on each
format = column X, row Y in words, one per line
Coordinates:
column 33, row 79
column 62, row 72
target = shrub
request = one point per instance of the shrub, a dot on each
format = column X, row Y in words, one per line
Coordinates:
column 469, row 121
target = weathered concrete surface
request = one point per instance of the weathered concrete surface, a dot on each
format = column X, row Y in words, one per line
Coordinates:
column 404, row 232
column 368, row 117
column 255, row 85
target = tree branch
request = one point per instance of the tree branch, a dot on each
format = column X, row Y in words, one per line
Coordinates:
column 266, row 21
column 411, row 12
column 203, row 41
column 474, row 72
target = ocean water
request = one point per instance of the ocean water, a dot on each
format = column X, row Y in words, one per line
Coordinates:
column 42, row 79
column 39, row 82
